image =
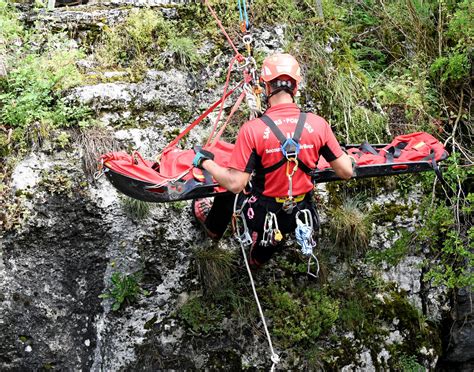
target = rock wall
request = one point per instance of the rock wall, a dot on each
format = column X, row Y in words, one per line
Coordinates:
column 55, row 266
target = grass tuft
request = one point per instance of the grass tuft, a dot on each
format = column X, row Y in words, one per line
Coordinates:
column 214, row 266
column 94, row 142
column 136, row 209
column 349, row 228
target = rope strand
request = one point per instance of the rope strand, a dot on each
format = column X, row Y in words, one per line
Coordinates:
column 275, row 358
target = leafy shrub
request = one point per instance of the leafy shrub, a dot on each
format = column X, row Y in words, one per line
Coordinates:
column 203, row 317
column 124, row 291
column 300, row 317
column 137, row 43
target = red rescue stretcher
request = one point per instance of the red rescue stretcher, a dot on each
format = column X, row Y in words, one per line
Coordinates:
column 174, row 178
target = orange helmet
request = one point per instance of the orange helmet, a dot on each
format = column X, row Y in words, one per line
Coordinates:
column 281, row 64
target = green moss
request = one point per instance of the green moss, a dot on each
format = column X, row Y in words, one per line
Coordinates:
column 388, row 212
column 299, row 317
column 201, row 316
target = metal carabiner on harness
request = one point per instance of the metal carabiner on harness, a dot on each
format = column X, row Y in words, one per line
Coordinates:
column 271, row 231
column 242, row 235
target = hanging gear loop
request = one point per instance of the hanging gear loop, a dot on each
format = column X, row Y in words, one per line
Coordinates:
column 304, row 237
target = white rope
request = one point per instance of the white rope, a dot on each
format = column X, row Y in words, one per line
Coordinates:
column 274, row 357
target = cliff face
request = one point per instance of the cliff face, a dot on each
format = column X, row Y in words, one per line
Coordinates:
column 192, row 307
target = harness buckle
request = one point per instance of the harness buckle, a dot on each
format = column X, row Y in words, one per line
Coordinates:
column 290, row 148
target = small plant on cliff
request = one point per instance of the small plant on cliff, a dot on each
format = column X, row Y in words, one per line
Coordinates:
column 125, row 290
column 214, row 267
column 183, row 51
column 349, row 228
column 136, row 209
column 299, row 316
column 202, row 316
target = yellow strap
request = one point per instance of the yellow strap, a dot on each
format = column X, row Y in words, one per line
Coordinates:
column 296, row 199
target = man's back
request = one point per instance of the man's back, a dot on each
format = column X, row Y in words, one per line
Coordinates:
column 257, row 147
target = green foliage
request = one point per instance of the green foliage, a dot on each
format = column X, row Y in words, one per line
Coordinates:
column 349, row 228
column 408, row 363
column 451, row 69
column 40, row 67
column 57, row 181
column 447, row 230
column 299, row 317
column 461, row 23
column 14, row 212
column 183, row 51
column 276, row 12
column 137, row 43
column 394, row 254
column 124, row 291
column 136, row 209
column 202, row 316
column 10, row 27
column 214, row 266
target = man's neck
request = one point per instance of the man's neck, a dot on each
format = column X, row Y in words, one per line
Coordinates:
column 279, row 98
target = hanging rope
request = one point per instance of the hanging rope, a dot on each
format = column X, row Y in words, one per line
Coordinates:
column 239, row 56
column 275, row 358
column 243, row 16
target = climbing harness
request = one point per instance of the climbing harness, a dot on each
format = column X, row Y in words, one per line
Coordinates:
column 274, row 357
column 304, row 238
column 290, row 149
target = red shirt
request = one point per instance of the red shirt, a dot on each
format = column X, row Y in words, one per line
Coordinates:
column 258, row 147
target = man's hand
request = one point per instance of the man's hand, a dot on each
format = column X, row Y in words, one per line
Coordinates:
column 202, row 155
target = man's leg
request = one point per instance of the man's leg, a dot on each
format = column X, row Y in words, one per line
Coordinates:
column 214, row 215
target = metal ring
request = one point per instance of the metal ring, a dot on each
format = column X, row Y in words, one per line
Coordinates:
column 247, row 39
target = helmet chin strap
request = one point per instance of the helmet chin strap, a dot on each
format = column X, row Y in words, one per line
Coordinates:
column 278, row 86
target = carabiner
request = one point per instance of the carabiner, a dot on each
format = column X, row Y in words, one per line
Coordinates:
column 295, row 168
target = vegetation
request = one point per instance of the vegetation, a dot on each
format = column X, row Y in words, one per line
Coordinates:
column 374, row 69
column 136, row 209
column 124, row 291
column 146, row 40
column 349, row 228
column 214, row 266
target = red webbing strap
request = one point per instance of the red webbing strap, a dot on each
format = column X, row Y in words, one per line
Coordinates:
column 239, row 56
column 232, row 112
column 201, row 117
column 226, row 86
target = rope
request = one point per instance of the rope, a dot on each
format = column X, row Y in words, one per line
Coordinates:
column 221, row 109
column 232, row 112
column 239, row 56
column 275, row 358
column 243, row 16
